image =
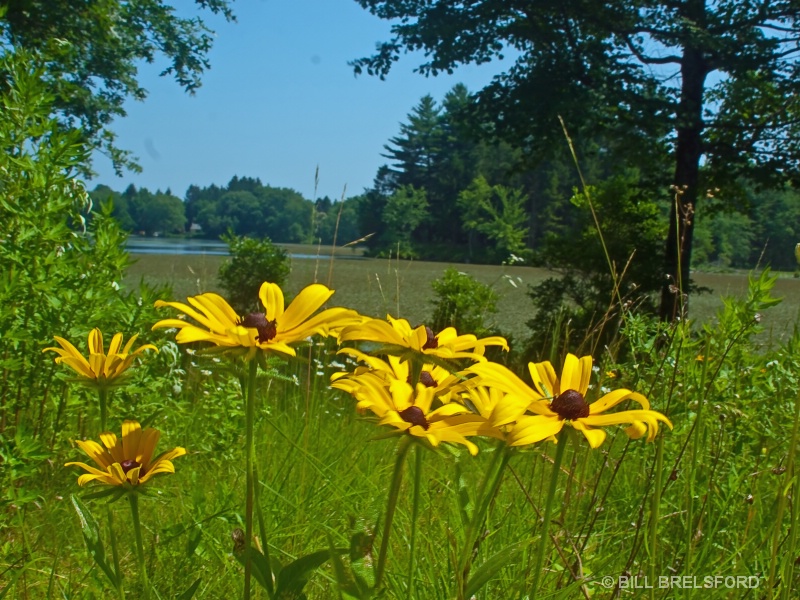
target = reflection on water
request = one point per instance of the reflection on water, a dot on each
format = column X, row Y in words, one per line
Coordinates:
column 137, row 245
column 141, row 245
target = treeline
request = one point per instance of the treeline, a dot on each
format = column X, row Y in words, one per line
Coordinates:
column 244, row 206
column 446, row 193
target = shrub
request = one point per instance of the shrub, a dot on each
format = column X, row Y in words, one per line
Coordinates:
column 462, row 302
column 252, row 262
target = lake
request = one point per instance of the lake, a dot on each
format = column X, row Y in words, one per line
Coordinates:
column 194, row 246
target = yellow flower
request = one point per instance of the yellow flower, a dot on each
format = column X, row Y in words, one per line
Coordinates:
column 408, row 408
column 434, row 376
column 126, row 461
column 101, row 368
column 273, row 330
column 446, row 344
column 555, row 401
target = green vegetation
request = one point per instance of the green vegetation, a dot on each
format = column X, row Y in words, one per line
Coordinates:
column 252, row 262
column 306, row 450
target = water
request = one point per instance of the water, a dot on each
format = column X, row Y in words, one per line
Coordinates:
column 139, row 245
column 142, row 245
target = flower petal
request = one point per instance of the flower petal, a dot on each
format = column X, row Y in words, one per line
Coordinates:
column 544, row 378
column 303, row 306
column 272, row 299
column 535, row 428
column 96, row 341
column 611, row 399
column 595, row 437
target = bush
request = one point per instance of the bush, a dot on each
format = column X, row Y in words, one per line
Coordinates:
column 462, row 302
column 252, row 262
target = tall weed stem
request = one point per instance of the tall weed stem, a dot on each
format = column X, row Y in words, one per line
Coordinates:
column 791, row 543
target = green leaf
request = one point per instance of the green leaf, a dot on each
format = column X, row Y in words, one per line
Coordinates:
column 189, row 593
column 489, row 568
column 294, row 576
column 260, row 567
column 466, row 506
column 91, row 535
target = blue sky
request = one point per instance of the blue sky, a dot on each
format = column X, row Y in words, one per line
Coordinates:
column 278, row 101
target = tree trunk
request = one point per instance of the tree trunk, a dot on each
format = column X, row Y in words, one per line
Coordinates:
column 688, row 152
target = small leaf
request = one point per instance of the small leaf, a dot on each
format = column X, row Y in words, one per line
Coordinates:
column 189, row 593
column 91, row 535
column 492, row 565
column 294, row 576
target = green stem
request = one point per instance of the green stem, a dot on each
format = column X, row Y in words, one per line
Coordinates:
column 654, row 512
column 133, row 498
column 486, row 491
column 250, row 412
column 115, row 553
column 391, row 504
column 103, row 393
column 414, row 513
column 791, row 542
column 548, row 509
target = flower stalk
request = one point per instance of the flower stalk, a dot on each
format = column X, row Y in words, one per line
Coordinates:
column 414, row 514
column 391, row 504
column 250, row 473
column 133, row 499
column 548, row 509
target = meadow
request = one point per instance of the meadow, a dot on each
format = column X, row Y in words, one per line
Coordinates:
column 375, row 286
column 706, row 509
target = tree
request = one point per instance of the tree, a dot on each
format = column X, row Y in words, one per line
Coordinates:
column 498, row 214
column 405, row 210
column 92, row 50
column 707, row 81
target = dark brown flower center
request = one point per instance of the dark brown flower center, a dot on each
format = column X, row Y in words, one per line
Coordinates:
column 432, row 342
column 426, row 379
column 415, row 416
column 129, row 464
column 267, row 330
column 570, row 405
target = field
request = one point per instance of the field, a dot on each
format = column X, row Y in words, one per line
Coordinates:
column 403, row 288
column 686, row 489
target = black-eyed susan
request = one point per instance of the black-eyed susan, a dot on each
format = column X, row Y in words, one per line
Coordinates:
column 100, row 369
column 273, row 330
column 409, row 409
column 127, row 461
column 446, row 344
column 433, row 376
column 555, row 401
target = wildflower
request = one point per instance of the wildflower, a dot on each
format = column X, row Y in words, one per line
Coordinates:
column 555, row 401
column 408, row 408
column 100, row 369
column 128, row 461
column 446, row 344
column 393, row 367
column 272, row 330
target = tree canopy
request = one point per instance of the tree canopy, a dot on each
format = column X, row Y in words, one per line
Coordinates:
column 712, row 84
column 92, row 52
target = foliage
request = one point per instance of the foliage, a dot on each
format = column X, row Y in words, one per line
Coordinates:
column 462, row 302
column 249, row 208
column 94, row 50
column 60, row 269
column 497, row 213
column 705, row 83
column 404, row 212
column 252, row 262
column 602, row 271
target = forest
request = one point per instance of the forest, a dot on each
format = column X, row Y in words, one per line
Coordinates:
column 447, row 194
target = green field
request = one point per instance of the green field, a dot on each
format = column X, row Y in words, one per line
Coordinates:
column 376, row 286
